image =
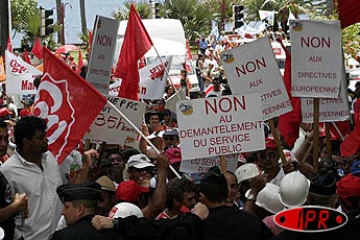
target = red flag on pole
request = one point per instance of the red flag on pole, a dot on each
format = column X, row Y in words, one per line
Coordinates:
column 37, row 49
column 68, row 103
column 136, row 43
column 9, row 45
column 289, row 123
column 90, row 41
column 26, row 57
column 349, row 12
column 80, row 62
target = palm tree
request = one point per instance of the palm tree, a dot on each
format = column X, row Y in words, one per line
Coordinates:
column 142, row 7
column 83, row 16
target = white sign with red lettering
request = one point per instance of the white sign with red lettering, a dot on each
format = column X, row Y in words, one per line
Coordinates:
column 253, row 68
column 204, row 164
column 102, row 53
column 153, row 79
column 220, row 125
column 330, row 109
column 110, row 127
column 19, row 75
column 114, row 88
column 316, row 58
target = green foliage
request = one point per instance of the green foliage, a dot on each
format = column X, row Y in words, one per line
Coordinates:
column 142, row 7
column 22, row 11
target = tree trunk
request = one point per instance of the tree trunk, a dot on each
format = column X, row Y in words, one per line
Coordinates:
column 83, row 17
column 4, row 25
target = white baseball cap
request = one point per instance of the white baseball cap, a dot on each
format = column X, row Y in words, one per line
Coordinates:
column 139, row 161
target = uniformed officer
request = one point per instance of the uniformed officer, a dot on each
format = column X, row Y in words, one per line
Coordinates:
column 80, row 202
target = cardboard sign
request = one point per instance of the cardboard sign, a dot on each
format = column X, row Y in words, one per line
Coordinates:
column 153, row 79
column 102, row 53
column 316, row 58
column 330, row 109
column 253, row 68
column 19, row 75
column 220, row 125
column 114, row 88
column 110, row 127
column 204, row 164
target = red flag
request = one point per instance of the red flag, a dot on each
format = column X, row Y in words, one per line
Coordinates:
column 350, row 146
column 9, row 45
column 26, row 57
column 37, row 49
column 90, row 41
column 80, row 62
column 349, row 12
column 142, row 62
column 136, row 43
column 289, row 123
column 188, row 58
column 68, row 103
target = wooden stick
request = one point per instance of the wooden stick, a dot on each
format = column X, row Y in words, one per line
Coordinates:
column 316, row 135
column 277, row 141
column 308, row 150
column 223, row 164
column 328, row 140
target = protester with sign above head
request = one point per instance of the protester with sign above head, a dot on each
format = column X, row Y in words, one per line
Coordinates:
column 31, row 160
column 180, row 198
column 80, row 202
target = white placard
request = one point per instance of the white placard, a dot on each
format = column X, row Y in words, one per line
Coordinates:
column 253, row 68
column 316, row 58
column 153, row 79
column 19, row 75
column 330, row 109
column 114, row 88
column 220, row 125
column 110, row 127
column 204, row 164
column 102, row 53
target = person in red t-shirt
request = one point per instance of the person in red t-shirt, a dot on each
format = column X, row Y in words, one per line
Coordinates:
column 180, row 198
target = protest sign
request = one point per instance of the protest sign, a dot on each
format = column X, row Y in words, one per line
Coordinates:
column 153, row 79
column 111, row 128
column 19, row 75
column 220, row 125
column 114, row 88
column 253, row 68
column 330, row 109
column 316, row 58
column 102, row 53
column 204, row 164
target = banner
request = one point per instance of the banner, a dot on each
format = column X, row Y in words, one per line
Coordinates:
column 19, row 75
column 220, row 125
column 110, row 127
column 330, row 109
column 114, row 88
column 268, row 16
column 102, row 53
column 204, row 164
column 316, row 57
column 253, row 68
column 153, row 79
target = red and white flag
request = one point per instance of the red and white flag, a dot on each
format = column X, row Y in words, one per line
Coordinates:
column 68, row 103
column 136, row 43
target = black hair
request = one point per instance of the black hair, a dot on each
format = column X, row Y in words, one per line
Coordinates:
column 26, row 128
column 176, row 189
column 114, row 151
column 127, row 153
column 214, row 187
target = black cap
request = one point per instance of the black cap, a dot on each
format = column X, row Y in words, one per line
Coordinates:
column 214, row 176
column 85, row 190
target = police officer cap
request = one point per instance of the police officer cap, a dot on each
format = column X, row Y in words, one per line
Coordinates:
column 85, row 190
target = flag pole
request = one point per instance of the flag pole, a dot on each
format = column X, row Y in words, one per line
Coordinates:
column 142, row 135
column 338, row 131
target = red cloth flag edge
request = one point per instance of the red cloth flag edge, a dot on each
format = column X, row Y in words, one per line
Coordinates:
column 136, row 43
column 61, row 100
column 26, row 57
column 349, row 12
column 9, row 45
column 289, row 123
column 37, row 49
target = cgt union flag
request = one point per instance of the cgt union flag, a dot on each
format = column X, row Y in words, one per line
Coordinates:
column 68, row 103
